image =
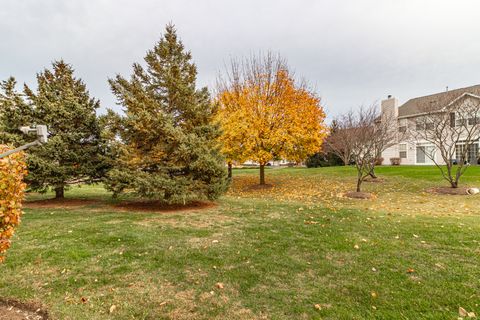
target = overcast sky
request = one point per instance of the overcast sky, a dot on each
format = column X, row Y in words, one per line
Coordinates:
column 353, row 52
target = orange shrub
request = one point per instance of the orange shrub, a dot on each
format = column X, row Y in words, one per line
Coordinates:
column 12, row 189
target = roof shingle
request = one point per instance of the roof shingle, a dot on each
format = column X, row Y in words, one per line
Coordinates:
column 437, row 101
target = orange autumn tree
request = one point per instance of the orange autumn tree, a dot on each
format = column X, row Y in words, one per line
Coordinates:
column 265, row 114
column 12, row 187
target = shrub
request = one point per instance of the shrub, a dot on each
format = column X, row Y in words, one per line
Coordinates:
column 379, row 161
column 322, row 159
column 395, row 161
column 12, row 187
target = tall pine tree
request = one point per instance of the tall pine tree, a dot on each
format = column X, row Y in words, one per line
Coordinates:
column 168, row 150
column 14, row 113
column 74, row 152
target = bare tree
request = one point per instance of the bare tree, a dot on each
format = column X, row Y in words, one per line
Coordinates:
column 361, row 136
column 386, row 134
column 337, row 141
column 362, row 141
column 450, row 128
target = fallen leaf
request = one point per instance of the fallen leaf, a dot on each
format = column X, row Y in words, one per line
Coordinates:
column 219, row 285
column 112, row 308
column 410, row 270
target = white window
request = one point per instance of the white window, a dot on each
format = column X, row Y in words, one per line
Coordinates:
column 473, row 121
column 460, row 122
column 425, row 154
column 471, row 155
column 402, row 151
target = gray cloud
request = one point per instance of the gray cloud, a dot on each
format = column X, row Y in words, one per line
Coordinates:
column 353, row 52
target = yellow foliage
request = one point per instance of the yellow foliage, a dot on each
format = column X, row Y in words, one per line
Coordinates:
column 264, row 118
column 12, row 188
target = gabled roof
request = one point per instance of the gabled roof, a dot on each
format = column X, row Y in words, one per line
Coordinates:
column 435, row 101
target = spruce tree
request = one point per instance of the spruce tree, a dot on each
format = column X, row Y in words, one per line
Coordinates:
column 168, row 150
column 14, row 112
column 74, row 152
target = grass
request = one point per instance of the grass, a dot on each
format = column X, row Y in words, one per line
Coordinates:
column 298, row 251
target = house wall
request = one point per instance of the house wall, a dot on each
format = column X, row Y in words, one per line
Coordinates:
column 394, row 152
column 389, row 153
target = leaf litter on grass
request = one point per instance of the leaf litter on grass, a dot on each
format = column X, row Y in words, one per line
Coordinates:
column 393, row 196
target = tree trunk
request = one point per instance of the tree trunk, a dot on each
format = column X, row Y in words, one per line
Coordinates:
column 454, row 184
column 60, row 192
column 262, row 174
column 229, row 171
column 359, row 183
column 372, row 174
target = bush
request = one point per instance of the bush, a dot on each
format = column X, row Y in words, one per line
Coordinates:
column 323, row 160
column 395, row 161
column 12, row 188
column 379, row 161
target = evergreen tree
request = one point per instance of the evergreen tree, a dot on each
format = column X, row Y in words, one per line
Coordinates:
column 326, row 157
column 74, row 152
column 14, row 112
column 168, row 150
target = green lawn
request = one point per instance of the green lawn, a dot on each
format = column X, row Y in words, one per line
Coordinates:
column 298, row 251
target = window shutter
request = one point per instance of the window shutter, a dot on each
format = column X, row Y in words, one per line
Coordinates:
column 452, row 119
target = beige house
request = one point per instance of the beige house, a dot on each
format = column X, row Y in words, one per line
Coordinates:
column 416, row 151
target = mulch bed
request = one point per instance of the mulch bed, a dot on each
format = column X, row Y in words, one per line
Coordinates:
column 462, row 191
column 158, row 206
column 60, row 203
column 15, row 310
column 359, row 195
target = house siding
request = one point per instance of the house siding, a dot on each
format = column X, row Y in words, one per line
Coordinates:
column 391, row 106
